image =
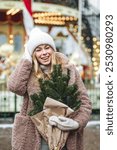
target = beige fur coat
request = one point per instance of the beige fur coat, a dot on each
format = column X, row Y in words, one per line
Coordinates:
column 23, row 82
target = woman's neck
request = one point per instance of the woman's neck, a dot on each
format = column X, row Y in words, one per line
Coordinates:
column 45, row 69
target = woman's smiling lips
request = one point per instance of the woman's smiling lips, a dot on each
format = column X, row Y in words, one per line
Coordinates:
column 45, row 58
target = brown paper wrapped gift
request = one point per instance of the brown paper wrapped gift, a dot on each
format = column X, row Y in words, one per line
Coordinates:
column 55, row 138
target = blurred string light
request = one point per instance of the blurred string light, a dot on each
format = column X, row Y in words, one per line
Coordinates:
column 49, row 22
column 53, row 18
column 12, row 11
column 96, row 53
column 42, row 14
column 96, row 56
column 11, row 39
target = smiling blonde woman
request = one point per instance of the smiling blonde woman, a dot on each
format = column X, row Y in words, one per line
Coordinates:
column 37, row 61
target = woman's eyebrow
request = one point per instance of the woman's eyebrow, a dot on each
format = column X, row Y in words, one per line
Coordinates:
column 46, row 45
column 38, row 48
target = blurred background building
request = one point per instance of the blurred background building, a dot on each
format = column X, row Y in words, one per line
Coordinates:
column 75, row 27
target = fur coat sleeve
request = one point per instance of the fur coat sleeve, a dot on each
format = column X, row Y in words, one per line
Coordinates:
column 82, row 115
column 18, row 80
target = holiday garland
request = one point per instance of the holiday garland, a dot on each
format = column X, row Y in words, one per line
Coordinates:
column 58, row 88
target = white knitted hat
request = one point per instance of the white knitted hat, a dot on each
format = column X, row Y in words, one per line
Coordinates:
column 38, row 37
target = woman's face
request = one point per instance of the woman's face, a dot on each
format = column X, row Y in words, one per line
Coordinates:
column 43, row 54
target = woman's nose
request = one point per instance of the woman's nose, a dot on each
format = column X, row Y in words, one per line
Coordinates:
column 44, row 51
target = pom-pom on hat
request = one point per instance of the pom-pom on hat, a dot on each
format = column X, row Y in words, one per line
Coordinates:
column 38, row 37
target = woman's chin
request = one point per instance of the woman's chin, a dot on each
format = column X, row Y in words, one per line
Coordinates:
column 45, row 63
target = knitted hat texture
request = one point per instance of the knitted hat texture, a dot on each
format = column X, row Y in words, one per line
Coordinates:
column 38, row 37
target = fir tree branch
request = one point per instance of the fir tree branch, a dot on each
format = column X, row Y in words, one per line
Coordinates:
column 57, row 88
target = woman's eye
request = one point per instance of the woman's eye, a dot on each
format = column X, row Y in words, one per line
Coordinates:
column 47, row 47
column 38, row 49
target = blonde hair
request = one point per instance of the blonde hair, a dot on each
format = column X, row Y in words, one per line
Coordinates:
column 37, row 70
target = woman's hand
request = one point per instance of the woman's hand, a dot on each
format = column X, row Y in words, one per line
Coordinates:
column 63, row 123
column 27, row 55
